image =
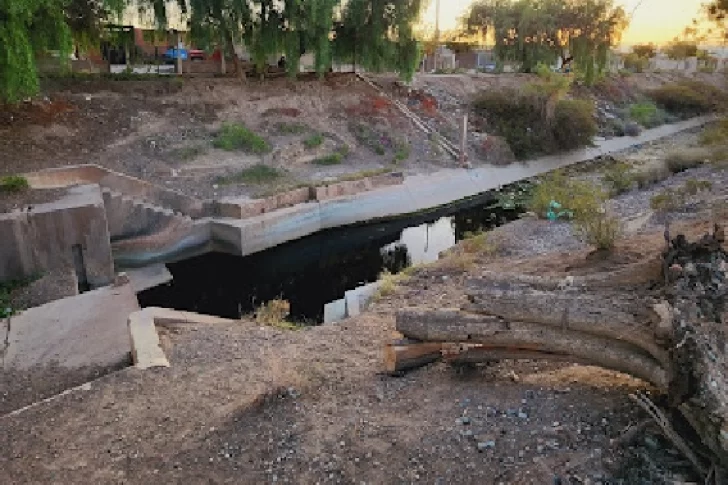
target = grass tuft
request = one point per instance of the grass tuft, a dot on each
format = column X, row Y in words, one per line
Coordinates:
column 257, row 174
column 13, row 184
column 314, row 141
column 234, row 136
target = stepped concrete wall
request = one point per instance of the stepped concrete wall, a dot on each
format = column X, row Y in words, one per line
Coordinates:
column 44, row 237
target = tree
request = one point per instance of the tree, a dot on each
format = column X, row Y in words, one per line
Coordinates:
column 532, row 32
column 27, row 28
column 680, row 50
column 379, row 35
column 645, row 51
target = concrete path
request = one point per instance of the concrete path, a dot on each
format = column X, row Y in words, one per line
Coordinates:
column 85, row 330
column 417, row 193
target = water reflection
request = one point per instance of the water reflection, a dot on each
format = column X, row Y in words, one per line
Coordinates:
column 319, row 269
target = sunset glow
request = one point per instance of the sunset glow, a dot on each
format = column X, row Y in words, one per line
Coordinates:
column 657, row 21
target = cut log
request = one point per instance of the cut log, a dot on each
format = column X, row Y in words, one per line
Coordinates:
column 403, row 355
column 619, row 317
column 456, row 326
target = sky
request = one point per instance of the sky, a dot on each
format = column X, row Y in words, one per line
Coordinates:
column 657, row 21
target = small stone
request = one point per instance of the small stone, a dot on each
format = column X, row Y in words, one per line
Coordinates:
column 485, row 445
column 464, row 420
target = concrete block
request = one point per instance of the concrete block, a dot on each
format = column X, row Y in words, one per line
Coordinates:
column 353, row 306
column 335, row 311
column 142, row 279
column 146, row 350
column 83, row 330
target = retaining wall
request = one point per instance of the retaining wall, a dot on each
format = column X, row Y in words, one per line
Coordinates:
column 246, row 227
column 43, row 238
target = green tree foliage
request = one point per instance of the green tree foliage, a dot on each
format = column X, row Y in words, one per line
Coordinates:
column 29, row 27
column 530, row 32
column 378, row 35
column 682, row 50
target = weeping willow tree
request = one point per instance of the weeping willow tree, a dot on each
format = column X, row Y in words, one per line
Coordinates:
column 220, row 23
column 27, row 28
column 590, row 28
column 378, row 35
column 533, row 32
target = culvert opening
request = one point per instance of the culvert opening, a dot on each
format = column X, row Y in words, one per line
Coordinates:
column 317, row 270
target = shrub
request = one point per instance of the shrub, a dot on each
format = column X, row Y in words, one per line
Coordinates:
column 646, row 114
column 479, row 243
column 13, row 183
column 371, row 138
column 689, row 98
column 576, row 196
column 575, row 125
column 651, row 176
column 234, row 136
column 684, row 159
column 670, row 200
column 614, row 127
column 635, row 63
column 275, row 314
column 290, row 128
column 694, row 186
column 402, row 151
column 257, row 174
column 186, row 154
column 314, row 141
column 716, row 134
column 388, row 283
column 619, row 178
column 333, row 159
column 632, row 129
column 598, row 229
column 522, row 119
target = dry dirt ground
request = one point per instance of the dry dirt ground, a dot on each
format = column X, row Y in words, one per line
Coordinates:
column 248, row 404
column 162, row 130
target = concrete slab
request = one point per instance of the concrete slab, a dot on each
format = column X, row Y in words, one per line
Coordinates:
column 146, row 350
column 148, row 277
column 85, row 330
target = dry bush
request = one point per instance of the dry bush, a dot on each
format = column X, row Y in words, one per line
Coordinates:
column 716, row 134
column 598, row 229
column 671, row 200
column 482, row 243
column 619, row 177
column 686, row 158
column 274, row 314
column 389, row 282
column 651, row 176
column 690, row 98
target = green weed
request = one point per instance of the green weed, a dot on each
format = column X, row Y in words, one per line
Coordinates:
column 257, row 174
column 13, row 183
column 313, row 141
column 234, row 136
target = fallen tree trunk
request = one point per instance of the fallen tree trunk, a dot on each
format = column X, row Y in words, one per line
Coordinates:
column 495, row 333
column 674, row 337
column 403, row 355
column 618, row 316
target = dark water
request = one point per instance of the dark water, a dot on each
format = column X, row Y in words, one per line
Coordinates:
column 319, row 269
